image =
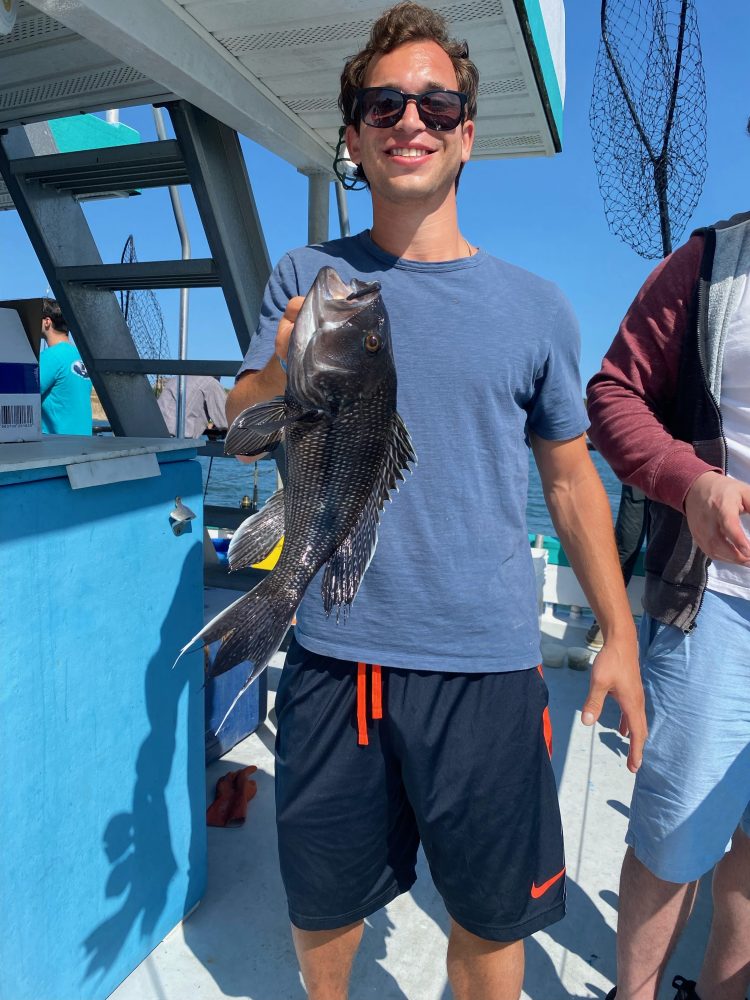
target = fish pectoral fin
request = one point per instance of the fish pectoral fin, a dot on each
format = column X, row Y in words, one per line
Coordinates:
column 256, row 536
column 258, row 428
column 346, row 567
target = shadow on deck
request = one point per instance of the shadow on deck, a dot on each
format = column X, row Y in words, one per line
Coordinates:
column 237, row 943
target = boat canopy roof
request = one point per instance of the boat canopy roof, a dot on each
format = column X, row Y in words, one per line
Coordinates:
column 270, row 69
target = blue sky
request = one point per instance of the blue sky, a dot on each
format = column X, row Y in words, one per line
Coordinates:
column 543, row 214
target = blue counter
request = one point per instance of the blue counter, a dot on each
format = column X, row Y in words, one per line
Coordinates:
column 102, row 780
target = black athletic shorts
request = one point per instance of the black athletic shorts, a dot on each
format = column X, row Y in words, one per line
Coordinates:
column 458, row 762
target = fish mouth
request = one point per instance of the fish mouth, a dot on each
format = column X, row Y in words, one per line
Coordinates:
column 346, row 299
column 360, row 293
column 337, row 305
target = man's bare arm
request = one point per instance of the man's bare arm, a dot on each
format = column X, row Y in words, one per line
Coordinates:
column 580, row 512
column 256, row 387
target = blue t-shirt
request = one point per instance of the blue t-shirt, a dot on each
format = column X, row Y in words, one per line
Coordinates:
column 66, row 391
column 485, row 352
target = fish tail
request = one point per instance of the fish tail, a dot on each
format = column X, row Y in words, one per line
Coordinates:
column 252, row 628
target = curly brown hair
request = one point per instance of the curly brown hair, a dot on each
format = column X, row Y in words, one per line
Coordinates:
column 407, row 22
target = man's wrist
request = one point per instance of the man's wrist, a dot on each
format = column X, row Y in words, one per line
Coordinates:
column 626, row 641
column 621, row 630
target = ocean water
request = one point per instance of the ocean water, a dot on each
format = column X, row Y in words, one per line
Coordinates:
column 226, row 481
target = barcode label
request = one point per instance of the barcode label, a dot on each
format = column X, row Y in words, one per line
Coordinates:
column 16, row 416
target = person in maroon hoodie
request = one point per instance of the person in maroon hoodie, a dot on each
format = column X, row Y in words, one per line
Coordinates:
column 670, row 412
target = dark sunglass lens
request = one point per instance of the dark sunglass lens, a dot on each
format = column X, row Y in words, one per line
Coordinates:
column 381, row 108
column 441, row 111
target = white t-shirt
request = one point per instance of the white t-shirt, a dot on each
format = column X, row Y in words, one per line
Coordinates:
column 728, row 578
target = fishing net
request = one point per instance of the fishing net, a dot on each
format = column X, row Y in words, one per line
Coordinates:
column 143, row 314
column 648, row 120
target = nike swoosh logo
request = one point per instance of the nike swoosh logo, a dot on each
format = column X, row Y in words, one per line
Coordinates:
column 539, row 890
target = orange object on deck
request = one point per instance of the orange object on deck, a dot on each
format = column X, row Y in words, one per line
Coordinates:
column 234, row 791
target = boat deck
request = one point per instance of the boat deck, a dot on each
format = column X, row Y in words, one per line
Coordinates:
column 237, row 942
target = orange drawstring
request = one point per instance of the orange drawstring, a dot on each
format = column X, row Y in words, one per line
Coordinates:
column 362, row 704
column 377, row 692
column 377, row 700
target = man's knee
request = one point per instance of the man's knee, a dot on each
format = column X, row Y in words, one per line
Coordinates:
column 483, row 968
column 325, row 959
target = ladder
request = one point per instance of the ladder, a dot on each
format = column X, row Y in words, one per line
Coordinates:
column 46, row 188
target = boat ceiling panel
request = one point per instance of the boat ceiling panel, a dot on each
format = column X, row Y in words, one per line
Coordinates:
column 48, row 70
column 270, row 68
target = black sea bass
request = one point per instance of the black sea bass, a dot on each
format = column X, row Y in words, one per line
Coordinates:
column 346, row 449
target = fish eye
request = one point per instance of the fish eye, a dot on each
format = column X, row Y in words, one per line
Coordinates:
column 373, row 343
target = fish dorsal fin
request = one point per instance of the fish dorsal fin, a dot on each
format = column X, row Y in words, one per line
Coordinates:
column 257, row 535
column 257, row 429
column 346, row 567
column 401, row 456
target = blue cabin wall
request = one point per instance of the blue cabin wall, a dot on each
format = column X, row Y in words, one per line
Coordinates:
column 102, row 777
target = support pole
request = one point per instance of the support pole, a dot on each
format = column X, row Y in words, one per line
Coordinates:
column 343, row 209
column 179, row 217
column 318, row 201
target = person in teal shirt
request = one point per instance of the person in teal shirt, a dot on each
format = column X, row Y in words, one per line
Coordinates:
column 64, row 382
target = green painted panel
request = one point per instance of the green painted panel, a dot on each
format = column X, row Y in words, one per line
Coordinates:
column 556, row 556
column 90, row 132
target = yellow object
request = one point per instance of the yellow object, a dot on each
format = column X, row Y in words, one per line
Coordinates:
column 272, row 558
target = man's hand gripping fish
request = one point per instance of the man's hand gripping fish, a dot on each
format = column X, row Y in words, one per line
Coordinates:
column 346, row 450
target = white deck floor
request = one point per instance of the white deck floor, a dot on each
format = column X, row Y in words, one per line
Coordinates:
column 237, row 942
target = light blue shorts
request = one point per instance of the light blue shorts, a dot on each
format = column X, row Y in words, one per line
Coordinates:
column 693, row 787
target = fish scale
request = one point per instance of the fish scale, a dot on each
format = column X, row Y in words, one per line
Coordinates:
column 330, row 471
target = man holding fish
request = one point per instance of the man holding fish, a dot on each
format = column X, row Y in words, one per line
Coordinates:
column 418, row 714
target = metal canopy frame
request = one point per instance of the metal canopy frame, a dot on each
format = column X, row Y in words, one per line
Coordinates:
column 162, row 43
column 270, row 70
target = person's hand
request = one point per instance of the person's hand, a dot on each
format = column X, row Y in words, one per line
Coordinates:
column 615, row 671
column 713, row 507
column 284, row 329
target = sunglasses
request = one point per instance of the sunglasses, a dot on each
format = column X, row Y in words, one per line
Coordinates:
column 383, row 107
